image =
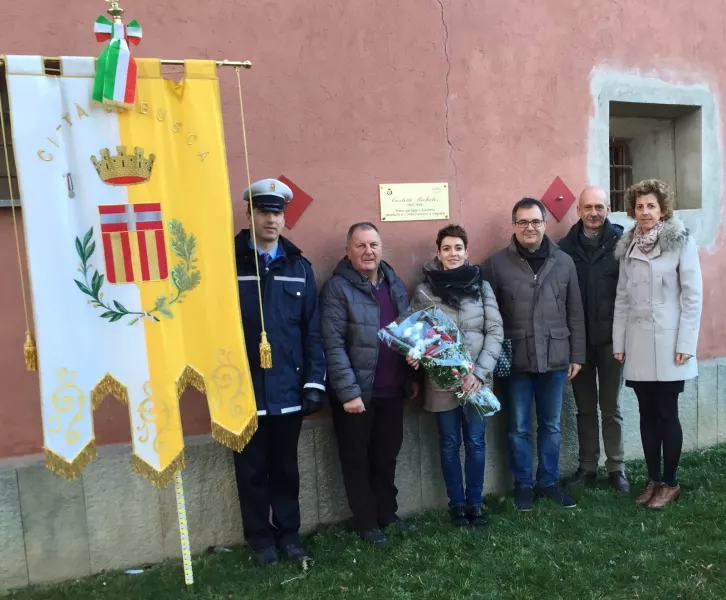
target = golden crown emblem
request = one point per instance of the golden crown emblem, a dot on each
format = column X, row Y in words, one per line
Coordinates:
column 123, row 169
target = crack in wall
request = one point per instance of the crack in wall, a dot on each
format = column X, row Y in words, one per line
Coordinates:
column 446, row 104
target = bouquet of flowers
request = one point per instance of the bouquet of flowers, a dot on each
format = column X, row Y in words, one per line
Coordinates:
column 432, row 338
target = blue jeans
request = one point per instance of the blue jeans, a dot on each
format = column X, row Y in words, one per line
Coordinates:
column 547, row 390
column 451, row 423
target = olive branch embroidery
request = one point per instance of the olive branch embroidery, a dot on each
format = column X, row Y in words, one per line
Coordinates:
column 184, row 277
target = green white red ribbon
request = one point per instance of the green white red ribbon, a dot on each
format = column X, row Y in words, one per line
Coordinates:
column 115, row 82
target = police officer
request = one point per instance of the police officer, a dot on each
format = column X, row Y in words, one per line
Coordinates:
column 267, row 469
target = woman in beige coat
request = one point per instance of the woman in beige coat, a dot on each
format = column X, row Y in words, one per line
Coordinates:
column 655, row 329
column 456, row 287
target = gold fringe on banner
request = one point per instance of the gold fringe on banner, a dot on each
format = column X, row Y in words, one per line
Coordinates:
column 236, row 441
column 31, row 352
column 70, row 470
column 108, row 386
column 160, row 479
column 190, row 376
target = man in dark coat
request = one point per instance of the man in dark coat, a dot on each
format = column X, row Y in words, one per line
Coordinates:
column 539, row 299
column 267, row 469
column 591, row 244
column 367, row 378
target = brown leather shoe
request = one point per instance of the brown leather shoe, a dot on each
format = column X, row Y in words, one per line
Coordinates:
column 664, row 496
column 647, row 494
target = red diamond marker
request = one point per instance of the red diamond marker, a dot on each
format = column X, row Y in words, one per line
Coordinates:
column 558, row 198
column 296, row 207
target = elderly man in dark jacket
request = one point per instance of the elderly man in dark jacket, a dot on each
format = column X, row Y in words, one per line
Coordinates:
column 367, row 378
column 591, row 244
column 539, row 299
column 267, row 473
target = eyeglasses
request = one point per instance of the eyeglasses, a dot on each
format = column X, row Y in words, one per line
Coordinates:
column 524, row 224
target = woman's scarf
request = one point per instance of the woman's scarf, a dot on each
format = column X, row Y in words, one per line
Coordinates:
column 454, row 285
column 646, row 241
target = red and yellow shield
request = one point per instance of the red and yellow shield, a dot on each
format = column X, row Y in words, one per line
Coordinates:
column 133, row 243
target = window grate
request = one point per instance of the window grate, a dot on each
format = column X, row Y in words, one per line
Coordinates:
column 621, row 173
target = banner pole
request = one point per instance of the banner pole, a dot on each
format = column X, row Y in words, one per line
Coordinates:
column 181, row 513
column 220, row 63
column 244, row 64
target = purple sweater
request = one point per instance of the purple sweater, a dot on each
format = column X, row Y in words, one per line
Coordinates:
column 388, row 381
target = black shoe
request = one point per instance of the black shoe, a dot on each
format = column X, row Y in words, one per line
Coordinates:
column 476, row 516
column 295, row 552
column 458, row 516
column 557, row 495
column 620, row 482
column 401, row 525
column 374, row 536
column 582, row 477
column 524, row 499
column 267, row 556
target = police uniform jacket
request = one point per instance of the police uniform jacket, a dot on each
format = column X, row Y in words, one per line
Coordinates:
column 292, row 322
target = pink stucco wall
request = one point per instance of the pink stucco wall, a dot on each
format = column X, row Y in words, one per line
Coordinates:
column 492, row 97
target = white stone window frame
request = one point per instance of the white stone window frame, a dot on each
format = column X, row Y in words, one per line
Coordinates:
column 609, row 86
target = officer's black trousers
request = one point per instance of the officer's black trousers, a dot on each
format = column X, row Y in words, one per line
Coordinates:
column 268, row 478
column 369, row 444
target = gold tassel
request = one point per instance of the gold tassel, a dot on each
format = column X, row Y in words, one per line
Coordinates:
column 236, row 441
column 31, row 352
column 265, row 352
column 70, row 470
column 265, row 348
column 160, row 479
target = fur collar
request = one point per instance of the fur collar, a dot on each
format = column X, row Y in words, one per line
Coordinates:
column 673, row 238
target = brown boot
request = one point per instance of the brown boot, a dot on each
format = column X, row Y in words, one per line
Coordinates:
column 664, row 496
column 649, row 492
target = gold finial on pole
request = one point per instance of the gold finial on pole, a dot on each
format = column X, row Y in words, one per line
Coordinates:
column 115, row 11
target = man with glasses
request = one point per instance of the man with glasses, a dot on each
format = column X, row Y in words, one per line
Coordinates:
column 539, row 299
column 591, row 244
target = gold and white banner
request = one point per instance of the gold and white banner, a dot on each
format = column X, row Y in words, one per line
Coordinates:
column 129, row 239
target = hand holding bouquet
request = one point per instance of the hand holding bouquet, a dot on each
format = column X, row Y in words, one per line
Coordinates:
column 430, row 337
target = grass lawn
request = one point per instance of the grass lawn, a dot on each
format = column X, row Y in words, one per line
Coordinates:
column 606, row 548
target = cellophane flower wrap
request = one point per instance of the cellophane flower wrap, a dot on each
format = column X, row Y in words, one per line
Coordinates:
column 431, row 337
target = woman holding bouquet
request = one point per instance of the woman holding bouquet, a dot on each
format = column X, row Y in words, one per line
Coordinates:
column 457, row 289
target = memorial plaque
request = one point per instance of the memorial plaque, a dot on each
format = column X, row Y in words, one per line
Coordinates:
column 414, row 201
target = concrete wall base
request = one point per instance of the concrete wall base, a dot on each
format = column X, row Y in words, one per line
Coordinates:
column 110, row 518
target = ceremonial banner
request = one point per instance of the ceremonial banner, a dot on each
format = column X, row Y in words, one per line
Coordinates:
column 128, row 230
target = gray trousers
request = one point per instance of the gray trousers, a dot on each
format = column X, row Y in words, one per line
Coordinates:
column 602, row 374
